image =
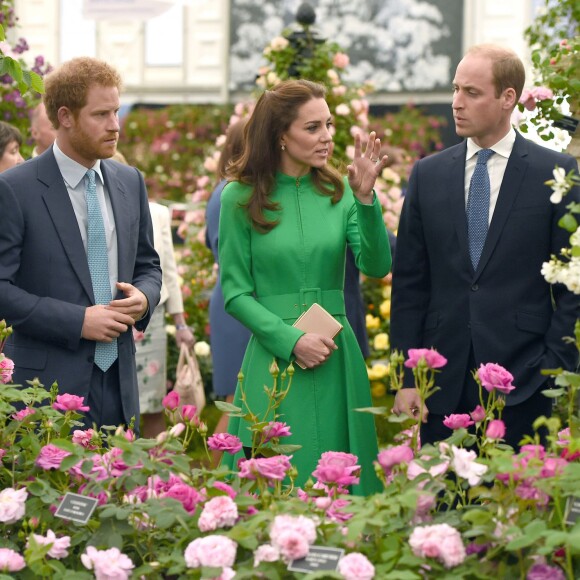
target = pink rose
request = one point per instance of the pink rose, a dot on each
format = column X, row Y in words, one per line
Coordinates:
column 189, row 413
column 6, row 369
column 11, row 561
column 12, row 504
column 340, row 60
column 495, row 429
column 266, row 553
column 394, row 456
column 275, row 429
column 293, row 535
column 457, row 421
column 430, row 356
column 219, row 512
column 50, row 457
column 171, row 401
column 271, row 468
column 495, row 377
column 107, row 564
column 58, row 546
column 228, row 489
column 152, row 368
column 224, row 442
column 21, row 415
column 69, row 402
column 87, row 439
column 335, row 511
column 212, row 551
column 439, row 541
column 356, row 566
column 478, row 414
column 188, row 496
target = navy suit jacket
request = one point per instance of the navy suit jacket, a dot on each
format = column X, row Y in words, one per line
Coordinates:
column 45, row 284
column 505, row 309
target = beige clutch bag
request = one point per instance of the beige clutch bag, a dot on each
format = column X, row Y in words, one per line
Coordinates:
column 318, row 320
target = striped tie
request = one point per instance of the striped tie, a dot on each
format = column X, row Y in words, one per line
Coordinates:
column 105, row 352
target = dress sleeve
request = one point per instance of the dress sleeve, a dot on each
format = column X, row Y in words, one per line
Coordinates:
column 238, row 286
column 367, row 237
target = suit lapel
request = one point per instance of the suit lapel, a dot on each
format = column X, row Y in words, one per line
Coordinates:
column 456, row 189
column 59, row 206
column 510, row 187
column 122, row 213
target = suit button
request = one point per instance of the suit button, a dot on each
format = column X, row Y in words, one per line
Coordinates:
column 91, row 359
column 475, row 287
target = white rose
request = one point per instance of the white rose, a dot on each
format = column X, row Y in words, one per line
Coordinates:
column 202, row 349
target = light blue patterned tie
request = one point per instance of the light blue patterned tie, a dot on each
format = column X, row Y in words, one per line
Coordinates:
column 478, row 207
column 105, row 352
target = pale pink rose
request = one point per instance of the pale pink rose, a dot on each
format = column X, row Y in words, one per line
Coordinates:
column 212, row 551
column 69, row 402
column 335, row 511
column 414, row 469
column 266, row 553
column 273, row 468
column 340, row 60
column 171, row 401
column 138, row 336
column 342, row 110
column 464, row 464
column 430, row 356
column 495, row 429
column 495, row 377
column 11, row 561
column 425, row 503
column 356, row 566
column 86, row 439
column 322, row 503
column 51, row 456
column 109, row 564
column 6, row 369
column 339, row 91
column 224, row 442
column 478, row 414
column 439, row 541
column 285, row 528
column 177, row 430
column 12, row 504
column 396, row 455
column 21, row 415
column 292, row 545
column 457, row 421
column 219, row 512
column 58, row 546
column 203, row 181
column 152, row 368
column 275, row 429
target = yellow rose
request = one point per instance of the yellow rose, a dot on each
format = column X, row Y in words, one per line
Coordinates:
column 381, row 341
column 378, row 389
column 379, row 371
column 385, row 308
column 373, row 322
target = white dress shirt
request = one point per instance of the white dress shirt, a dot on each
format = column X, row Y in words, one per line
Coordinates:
column 74, row 175
column 496, row 166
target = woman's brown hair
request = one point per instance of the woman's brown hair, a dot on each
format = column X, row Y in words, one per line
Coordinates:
column 275, row 111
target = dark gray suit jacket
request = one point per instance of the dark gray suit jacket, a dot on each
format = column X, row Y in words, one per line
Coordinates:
column 505, row 309
column 45, row 284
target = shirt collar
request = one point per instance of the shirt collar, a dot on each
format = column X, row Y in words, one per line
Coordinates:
column 503, row 147
column 71, row 171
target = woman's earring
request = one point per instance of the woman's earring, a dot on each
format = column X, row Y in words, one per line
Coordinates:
column 283, row 147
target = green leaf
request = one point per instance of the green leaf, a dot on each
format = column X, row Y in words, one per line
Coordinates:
column 2, row 35
column 568, row 222
column 227, row 407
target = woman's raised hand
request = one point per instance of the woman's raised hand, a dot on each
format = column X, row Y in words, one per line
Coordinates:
column 366, row 167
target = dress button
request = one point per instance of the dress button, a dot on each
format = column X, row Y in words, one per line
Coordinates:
column 475, row 287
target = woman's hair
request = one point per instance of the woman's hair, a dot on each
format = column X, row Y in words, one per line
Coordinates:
column 275, row 111
column 233, row 147
column 68, row 85
column 8, row 133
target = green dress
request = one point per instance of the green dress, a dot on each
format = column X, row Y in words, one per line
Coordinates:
column 268, row 280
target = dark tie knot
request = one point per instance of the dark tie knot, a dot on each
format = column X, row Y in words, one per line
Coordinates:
column 483, row 155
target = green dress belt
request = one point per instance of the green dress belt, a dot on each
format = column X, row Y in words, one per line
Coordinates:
column 288, row 306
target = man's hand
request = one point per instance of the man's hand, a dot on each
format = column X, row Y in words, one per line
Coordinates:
column 103, row 324
column 313, row 349
column 408, row 401
column 135, row 304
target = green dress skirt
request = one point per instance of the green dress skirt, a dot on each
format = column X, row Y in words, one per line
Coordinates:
column 268, row 280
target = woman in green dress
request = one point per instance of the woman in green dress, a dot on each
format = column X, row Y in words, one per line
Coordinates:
column 286, row 220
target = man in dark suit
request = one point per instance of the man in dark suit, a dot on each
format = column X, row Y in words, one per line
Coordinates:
column 77, row 264
column 491, row 305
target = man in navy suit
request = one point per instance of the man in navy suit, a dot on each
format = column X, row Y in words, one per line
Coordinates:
column 46, row 290
column 501, row 310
